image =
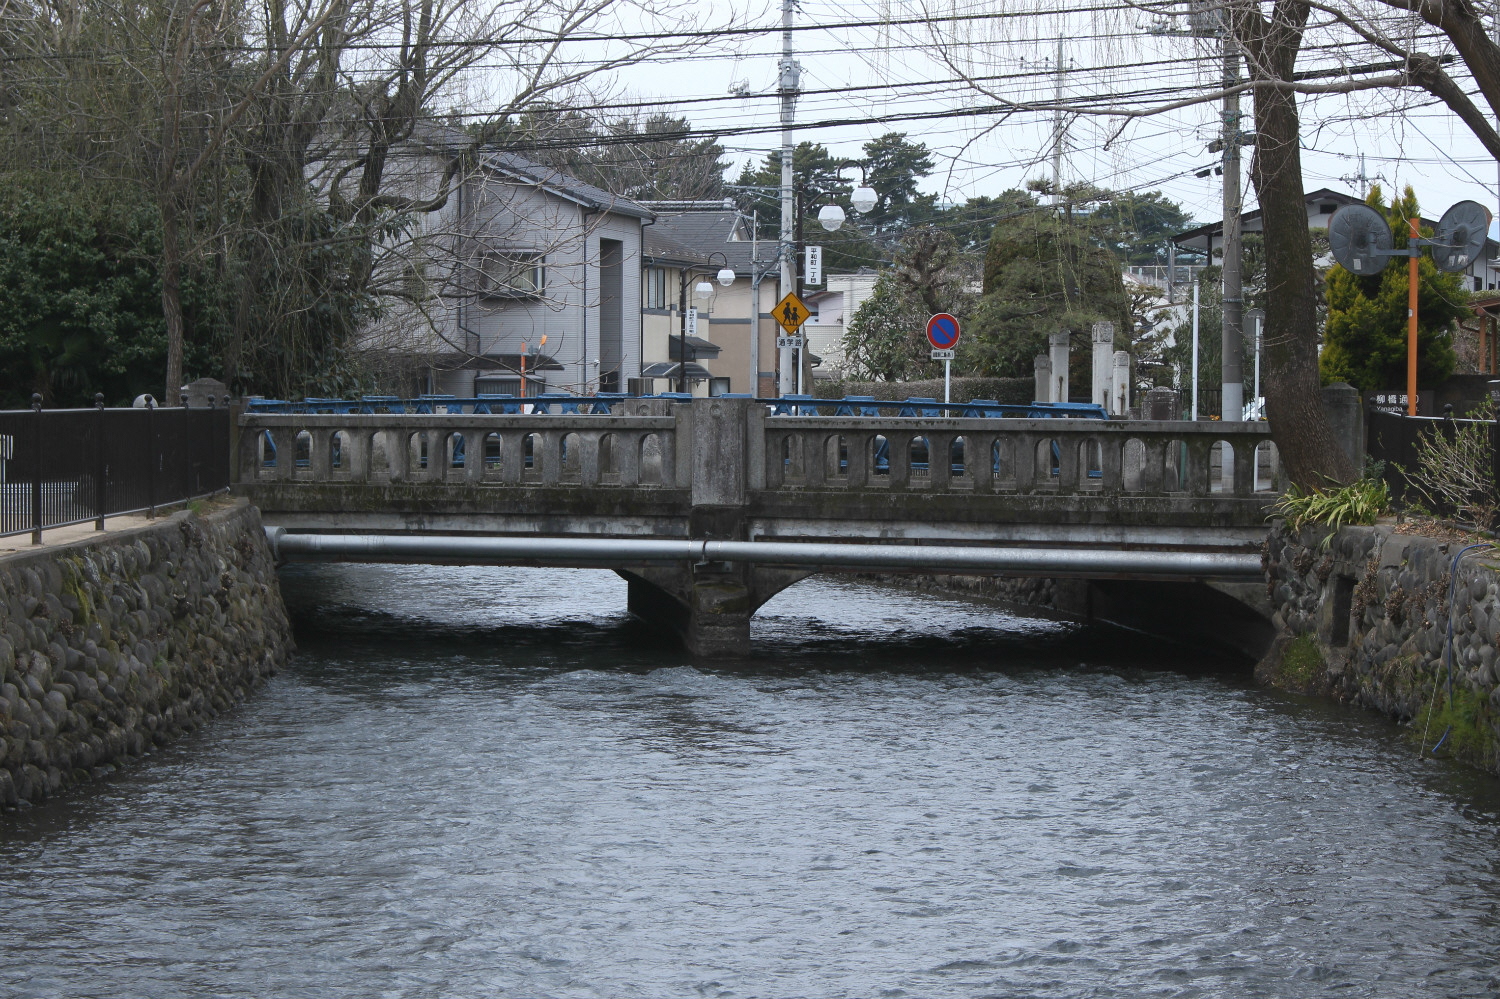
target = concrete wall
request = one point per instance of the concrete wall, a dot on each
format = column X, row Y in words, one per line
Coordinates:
column 1365, row 618
column 113, row 645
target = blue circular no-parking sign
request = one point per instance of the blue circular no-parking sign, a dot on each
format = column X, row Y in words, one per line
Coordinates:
column 942, row 331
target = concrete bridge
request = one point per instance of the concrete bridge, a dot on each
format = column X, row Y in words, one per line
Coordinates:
column 709, row 508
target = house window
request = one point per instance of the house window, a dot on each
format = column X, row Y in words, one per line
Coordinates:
column 656, row 287
column 1326, row 209
column 511, row 275
column 1479, row 284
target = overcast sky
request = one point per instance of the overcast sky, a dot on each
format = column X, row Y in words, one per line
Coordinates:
column 981, row 155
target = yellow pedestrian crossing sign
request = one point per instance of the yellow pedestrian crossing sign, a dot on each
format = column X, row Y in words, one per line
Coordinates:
column 790, row 313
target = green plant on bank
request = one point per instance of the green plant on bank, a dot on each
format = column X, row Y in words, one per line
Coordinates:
column 1360, row 502
column 1469, row 723
column 1455, row 468
column 1301, row 664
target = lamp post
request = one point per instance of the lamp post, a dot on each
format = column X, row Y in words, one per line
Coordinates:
column 831, row 217
column 702, row 290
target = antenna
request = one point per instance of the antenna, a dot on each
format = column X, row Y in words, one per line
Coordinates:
column 1460, row 236
column 1357, row 235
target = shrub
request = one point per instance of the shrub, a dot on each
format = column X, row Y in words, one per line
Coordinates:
column 1360, row 502
column 1455, row 468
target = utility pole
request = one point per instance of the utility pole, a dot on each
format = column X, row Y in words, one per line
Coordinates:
column 1232, row 399
column 790, row 360
column 1059, row 130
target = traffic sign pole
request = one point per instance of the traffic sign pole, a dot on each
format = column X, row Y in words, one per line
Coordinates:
column 942, row 333
column 790, row 313
column 1411, row 326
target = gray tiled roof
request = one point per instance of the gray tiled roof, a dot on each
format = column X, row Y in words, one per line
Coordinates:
column 568, row 186
column 702, row 231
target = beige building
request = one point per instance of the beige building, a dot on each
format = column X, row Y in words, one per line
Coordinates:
column 689, row 245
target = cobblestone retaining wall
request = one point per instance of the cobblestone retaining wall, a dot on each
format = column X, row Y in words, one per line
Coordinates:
column 1371, row 612
column 124, row 641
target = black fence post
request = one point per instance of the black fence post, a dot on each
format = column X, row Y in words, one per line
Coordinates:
column 100, row 466
column 36, row 471
column 153, row 457
column 185, row 451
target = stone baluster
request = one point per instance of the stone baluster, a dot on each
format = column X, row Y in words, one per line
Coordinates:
column 285, row 440
column 358, row 445
column 668, row 458
column 858, row 448
column 940, row 461
column 1069, row 462
column 814, row 448
column 588, row 458
column 513, row 457
column 473, row 455
column 320, row 455
column 899, row 445
column 628, row 457
column 979, row 461
column 1111, row 463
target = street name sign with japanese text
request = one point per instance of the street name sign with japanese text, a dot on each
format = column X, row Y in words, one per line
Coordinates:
column 812, row 265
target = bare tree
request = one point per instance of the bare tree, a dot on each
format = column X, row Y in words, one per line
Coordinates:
column 249, row 122
column 1365, row 47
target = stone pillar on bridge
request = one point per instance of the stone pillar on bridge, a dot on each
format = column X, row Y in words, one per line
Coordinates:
column 1043, row 390
column 1119, row 384
column 1346, row 418
column 1058, row 344
column 1104, row 345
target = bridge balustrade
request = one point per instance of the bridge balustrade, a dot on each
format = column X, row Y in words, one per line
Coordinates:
column 792, row 452
column 381, row 449
column 1014, row 456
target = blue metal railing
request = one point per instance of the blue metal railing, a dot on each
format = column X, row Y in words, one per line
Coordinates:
column 603, row 404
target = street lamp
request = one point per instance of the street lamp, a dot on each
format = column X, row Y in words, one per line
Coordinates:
column 701, row 290
column 831, row 217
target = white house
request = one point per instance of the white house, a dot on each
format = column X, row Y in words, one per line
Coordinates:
column 832, row 307
column 521, row 267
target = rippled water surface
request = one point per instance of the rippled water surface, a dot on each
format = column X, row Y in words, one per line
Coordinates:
column 487, row 782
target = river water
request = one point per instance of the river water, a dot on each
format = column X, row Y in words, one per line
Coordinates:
column 492, row 782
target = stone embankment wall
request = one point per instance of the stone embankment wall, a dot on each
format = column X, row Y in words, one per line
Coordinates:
column 124, row 641
column 1365, row 618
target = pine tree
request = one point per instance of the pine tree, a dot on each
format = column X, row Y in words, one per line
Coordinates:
column 1046, row 272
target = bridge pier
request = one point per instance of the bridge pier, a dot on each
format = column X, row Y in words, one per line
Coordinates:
column 707, row 607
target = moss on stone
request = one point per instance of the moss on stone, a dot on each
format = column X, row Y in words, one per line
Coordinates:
column 1462, row 727
column 1302, row 666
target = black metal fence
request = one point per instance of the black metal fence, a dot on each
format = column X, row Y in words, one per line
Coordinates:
column 1393, row 439
column 70, row 466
